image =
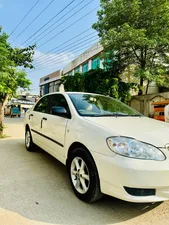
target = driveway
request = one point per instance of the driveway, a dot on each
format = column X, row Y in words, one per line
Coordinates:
column 34, row 189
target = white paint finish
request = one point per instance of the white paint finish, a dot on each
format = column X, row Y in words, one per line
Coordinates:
column 141, row 128
column 80, row 68
column 61, row 88
column 166, row 113
column 133, row 173
column 116, row 171
column 90, row 64
column 55, row 128
column 35, row 124
column 101, row 64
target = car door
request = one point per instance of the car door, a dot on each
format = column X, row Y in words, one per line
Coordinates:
column 36, row 118
column 54, row 127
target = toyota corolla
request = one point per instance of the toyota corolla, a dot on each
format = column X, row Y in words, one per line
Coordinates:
column 108, row 147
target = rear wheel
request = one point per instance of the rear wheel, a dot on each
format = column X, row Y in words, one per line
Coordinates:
column 28, row 141
column 84, row 176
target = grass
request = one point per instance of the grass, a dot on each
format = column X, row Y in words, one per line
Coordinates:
column 3, row 136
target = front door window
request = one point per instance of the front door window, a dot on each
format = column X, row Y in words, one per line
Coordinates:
column 42, row 105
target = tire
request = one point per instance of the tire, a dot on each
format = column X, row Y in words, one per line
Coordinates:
column 28, row 141
column 83, row 175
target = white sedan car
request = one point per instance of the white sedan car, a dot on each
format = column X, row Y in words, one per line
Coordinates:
column 108, row 147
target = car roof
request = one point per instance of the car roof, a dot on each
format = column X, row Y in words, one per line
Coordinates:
column 82, row 93
column 72, row 93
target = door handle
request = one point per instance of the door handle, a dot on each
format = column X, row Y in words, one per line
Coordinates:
column 30, row 116
column 44, row 118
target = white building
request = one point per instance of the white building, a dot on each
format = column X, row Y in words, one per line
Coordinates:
column 86, row 61
column 50, row 83
column 90, row 59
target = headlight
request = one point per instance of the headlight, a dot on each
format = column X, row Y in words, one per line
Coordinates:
column 134, row 149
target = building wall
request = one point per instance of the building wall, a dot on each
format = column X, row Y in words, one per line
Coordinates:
column 56, row 74
column 50, row 83
column 128, row 77
column 85, row 62
column 28, row 96
column 78, row 64
column 143, row 104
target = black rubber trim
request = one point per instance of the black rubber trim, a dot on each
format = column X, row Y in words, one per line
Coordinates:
column 47, row 138
column 30, row 116
column 140, row 192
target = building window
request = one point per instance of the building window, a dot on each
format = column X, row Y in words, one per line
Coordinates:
column 47, row 78
column 109, row 62
column 85, row 67
column 95, row 63
column 46, row 89
column 77, row 69
column 70, row 73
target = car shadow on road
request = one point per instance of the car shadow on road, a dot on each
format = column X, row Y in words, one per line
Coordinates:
column 36, row 186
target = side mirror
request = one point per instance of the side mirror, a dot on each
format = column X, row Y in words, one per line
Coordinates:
column 59, row 111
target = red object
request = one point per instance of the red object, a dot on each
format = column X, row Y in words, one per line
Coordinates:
column 159, row 110
column 36, row 99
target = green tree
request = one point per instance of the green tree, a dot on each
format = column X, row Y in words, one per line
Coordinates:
column 138, row 32
column 73, row 83
column 10, row 78
column 101, row 82
column 98, row 81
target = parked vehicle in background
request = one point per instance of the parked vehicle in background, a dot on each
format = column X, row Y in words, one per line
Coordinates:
column 18, row 107
column 13, row 110
column 108, row 147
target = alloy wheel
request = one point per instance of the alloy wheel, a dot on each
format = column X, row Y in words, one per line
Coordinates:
column 80, row 175
column 27, row 139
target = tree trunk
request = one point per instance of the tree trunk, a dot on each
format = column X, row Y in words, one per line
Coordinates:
column 1, row 118
column 147, row 87
column 142, row 67
column 141, row 87
column 2, row 105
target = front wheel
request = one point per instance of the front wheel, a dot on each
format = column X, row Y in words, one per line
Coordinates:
column 28, row 141
column 84, row 176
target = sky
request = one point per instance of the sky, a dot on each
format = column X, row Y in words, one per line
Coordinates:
column 55, row 49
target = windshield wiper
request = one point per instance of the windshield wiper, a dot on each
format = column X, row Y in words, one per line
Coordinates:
column 114, row 115
column 110, row 114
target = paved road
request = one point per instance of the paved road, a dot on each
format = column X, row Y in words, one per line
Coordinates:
column 34, row 189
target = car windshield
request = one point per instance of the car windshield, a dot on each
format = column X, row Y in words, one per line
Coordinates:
column 99, row 106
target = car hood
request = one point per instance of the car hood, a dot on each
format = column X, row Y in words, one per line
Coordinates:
column 141, row 128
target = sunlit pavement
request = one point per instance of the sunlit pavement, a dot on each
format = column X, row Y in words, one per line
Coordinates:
column 34, row 189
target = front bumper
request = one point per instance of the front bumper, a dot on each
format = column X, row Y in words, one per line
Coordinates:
column 119, row 172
